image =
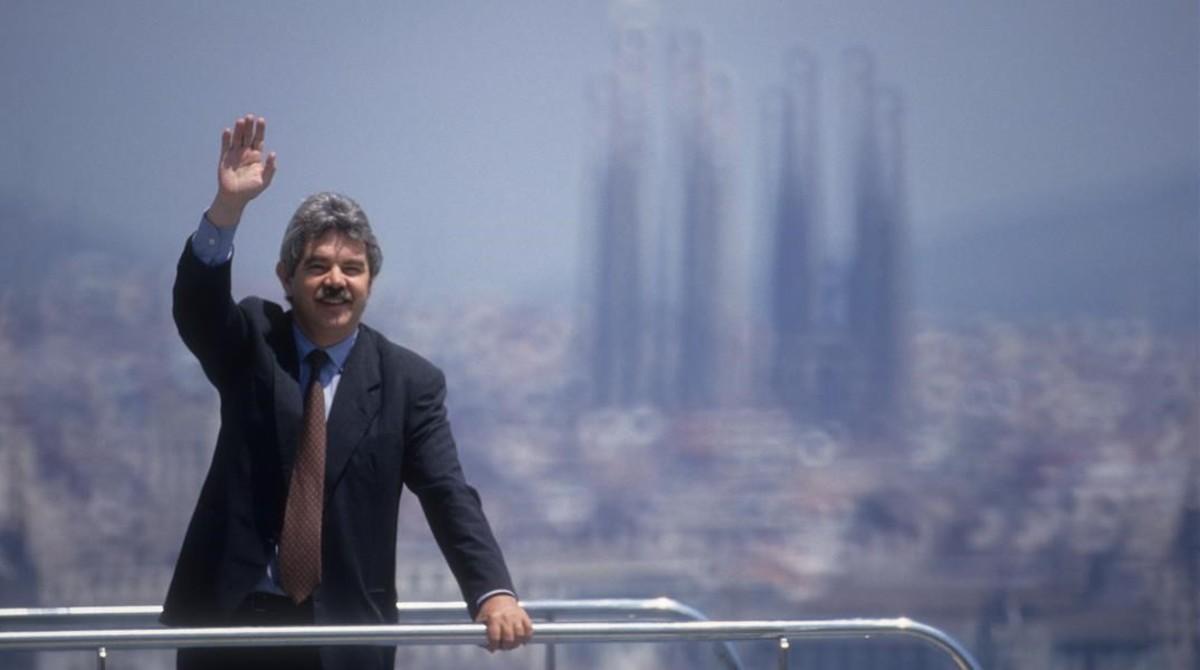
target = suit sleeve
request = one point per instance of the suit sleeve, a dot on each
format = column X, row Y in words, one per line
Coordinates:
column 452, row 507
column 210, row 323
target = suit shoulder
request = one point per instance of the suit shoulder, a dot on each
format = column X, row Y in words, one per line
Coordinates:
column 261, row 310
column 398, row 358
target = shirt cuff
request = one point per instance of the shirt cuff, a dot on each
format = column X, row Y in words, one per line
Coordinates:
column 489, row 594
column 212, row 245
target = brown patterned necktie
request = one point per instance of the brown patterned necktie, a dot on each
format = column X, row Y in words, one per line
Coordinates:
column 300, row 539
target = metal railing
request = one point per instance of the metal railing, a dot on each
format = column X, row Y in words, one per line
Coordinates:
column 420, row 612
column 654, row 609
column 783, row 632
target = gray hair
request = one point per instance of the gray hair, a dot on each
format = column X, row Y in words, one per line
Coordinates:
column 321, row 213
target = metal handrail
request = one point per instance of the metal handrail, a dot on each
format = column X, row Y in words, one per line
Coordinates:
column 27, row 618
column 472, row 634
column 420, row 611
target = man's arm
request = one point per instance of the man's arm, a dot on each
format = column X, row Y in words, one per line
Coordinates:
column 452, row 508
column 208, row 320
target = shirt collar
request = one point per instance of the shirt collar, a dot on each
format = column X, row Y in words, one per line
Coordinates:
column 337, row 352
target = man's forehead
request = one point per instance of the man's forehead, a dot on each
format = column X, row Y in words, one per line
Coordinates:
column 335, row 243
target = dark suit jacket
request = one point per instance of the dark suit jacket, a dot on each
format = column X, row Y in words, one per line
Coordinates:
column 387, row 428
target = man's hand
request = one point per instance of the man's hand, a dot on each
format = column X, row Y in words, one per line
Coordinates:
column 508, row 626
column 241, row 173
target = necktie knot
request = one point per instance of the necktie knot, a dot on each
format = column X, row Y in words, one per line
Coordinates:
column 316, row 360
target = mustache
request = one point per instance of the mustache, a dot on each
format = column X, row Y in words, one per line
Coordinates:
column 333, row 294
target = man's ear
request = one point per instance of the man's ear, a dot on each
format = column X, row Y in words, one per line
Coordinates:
column 281, row 272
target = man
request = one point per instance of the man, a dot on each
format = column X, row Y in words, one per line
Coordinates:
column 322, row 422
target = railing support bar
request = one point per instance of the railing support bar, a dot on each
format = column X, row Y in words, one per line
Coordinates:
column 784, row 647
column 101, row 658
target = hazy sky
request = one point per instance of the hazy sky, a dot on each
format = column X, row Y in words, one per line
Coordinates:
column 461, row 127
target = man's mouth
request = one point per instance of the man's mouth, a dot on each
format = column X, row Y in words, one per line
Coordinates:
column 333, row 297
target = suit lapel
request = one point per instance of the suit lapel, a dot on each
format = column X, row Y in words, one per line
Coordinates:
column 354, row 406
column 286, row 393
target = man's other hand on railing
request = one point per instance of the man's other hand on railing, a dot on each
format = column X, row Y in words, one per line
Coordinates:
column 508, row 626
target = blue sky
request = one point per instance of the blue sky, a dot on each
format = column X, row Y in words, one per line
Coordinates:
column 462, row 126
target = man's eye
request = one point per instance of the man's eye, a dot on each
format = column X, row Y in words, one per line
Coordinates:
column 352, row 270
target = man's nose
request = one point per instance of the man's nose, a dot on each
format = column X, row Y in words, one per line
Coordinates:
column 335, row 277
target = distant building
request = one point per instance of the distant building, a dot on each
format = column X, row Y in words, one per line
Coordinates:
column 837, row 331
column 659, row 314
column 876, row 301
column 700, row 108
column 618, row 302
column 793, row 284
column 655, row 308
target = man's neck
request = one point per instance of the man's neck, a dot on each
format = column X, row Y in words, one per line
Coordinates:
column 326, row 341
column 306, row 343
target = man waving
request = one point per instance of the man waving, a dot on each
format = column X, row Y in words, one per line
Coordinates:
column 324, row 421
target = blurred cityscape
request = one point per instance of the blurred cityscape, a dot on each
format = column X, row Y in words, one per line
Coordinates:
column 811, row 447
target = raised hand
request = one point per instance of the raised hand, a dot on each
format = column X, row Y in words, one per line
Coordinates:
column 242, row 173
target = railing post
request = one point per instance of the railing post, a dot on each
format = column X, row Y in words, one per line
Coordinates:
column 101, row 658
column 551, row 661
column 784, row 646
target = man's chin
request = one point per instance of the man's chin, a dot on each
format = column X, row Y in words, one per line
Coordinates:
column 329, row 325
column 338, row 321
column 335, row 313
column 335, row 306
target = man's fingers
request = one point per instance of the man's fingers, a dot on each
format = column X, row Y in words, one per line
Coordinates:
column 248, row 133
column 243, row 131
column 239, row 129
column 501, row 634
column 525, row 632
column 226, row 141
column 508, row 631
column 508, row 634
column 269, row 170
column 508, row 625
column 260, row 131
column 493, row 634
column 509, row 640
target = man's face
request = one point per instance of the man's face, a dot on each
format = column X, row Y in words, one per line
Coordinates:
column 329, row 288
